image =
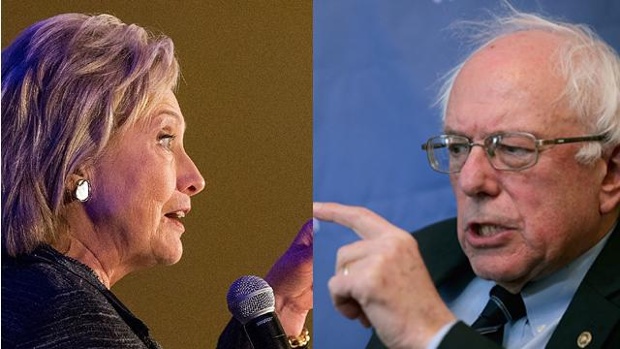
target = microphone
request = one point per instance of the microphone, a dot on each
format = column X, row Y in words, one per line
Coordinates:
column 251, row 301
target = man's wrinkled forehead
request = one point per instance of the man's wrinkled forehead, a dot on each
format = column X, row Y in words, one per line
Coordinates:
column 512, row 76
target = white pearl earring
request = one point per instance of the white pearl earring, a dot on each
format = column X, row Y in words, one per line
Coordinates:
column 82, row 190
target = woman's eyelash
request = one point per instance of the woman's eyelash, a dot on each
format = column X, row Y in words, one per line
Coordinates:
column 165, row 140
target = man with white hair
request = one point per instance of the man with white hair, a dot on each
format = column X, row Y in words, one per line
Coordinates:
column 531, row 142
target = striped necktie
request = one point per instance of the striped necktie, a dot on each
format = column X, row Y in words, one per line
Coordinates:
column 502, row 307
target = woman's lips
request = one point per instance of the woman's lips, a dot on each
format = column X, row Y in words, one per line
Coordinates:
column 175, row 217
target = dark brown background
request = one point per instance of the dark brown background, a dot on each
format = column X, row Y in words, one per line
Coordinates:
column 246, row 94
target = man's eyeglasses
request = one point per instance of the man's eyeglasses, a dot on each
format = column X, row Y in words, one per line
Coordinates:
column 513, row 151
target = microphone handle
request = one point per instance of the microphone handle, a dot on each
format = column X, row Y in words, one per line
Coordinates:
column 266, row 332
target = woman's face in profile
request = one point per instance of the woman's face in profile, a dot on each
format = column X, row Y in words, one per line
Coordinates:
column 142, row 187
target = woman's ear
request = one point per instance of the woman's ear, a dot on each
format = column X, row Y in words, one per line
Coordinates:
column 79, row 185
column 610, row 188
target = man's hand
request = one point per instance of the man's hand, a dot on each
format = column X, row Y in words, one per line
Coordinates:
column 382, row 281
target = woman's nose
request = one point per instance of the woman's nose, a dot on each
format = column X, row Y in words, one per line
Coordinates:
column 189, row 180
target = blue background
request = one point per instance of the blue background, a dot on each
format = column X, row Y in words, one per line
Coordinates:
column 376, row 67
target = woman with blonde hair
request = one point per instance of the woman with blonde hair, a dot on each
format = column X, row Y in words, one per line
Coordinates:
column 95, row 182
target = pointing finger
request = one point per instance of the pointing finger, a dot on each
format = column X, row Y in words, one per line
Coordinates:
column 365, row 223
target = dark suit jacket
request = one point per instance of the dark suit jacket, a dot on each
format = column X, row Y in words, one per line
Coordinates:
column 595, row 308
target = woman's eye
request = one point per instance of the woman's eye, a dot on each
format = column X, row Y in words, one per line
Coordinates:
column 166, row 140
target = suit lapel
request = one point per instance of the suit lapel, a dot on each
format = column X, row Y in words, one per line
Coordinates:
column 442, row 252
column 593, row 315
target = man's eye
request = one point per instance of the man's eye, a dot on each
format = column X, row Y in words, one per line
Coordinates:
column 457, row 149
column 513, row 150
column 166, row 140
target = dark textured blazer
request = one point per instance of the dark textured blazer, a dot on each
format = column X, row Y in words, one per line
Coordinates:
column 592, row 319
column 51, row 301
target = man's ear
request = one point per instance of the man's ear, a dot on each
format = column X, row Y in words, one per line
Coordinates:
column 610, row 188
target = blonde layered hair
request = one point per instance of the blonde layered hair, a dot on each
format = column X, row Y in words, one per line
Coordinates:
column 70, row 84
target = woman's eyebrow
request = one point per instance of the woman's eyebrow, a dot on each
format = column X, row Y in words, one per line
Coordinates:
column 166, row 112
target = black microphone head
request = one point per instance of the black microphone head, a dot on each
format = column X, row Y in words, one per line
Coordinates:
column 250, row 296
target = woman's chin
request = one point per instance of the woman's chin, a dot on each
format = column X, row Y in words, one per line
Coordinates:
column 170, row 255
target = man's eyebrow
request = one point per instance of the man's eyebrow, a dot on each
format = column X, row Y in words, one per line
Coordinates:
column 450, row 131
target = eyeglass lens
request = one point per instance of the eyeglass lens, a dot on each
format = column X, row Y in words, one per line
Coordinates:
column 448, row 153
